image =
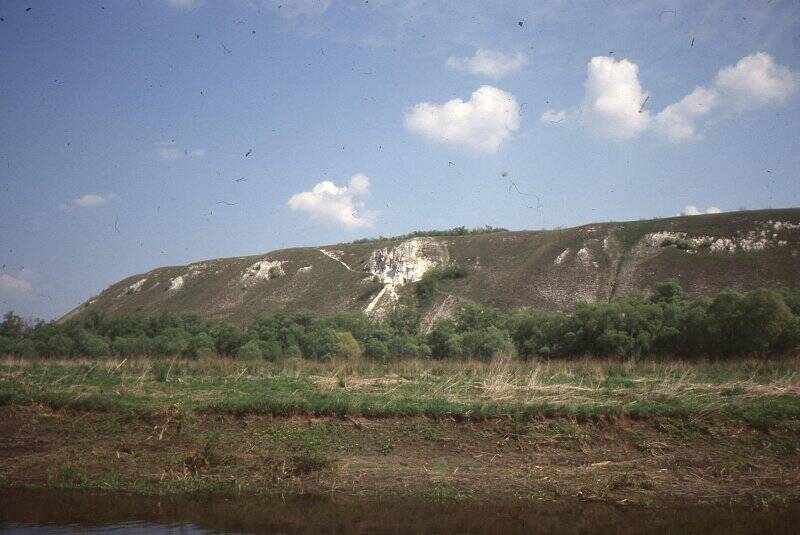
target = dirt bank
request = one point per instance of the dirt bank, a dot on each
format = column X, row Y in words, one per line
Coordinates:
column 655, row 462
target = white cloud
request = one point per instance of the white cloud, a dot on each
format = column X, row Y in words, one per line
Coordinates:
column 186, row 5
column 303, row 8
column 614, row 103
column 489, row 63
column 482, row 123
column 677, row 121
column 553, row 116
column 692, row 210
column 90, row 200
column 168, row 151
column 22, row 282
column 341, row 205
column 755, row 81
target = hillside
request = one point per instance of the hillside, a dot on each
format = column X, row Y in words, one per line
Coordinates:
column 513, row 269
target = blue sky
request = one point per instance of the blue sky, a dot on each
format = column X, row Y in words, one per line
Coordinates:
column 141, row 133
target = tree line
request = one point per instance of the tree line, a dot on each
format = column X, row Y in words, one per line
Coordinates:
column 666, row 323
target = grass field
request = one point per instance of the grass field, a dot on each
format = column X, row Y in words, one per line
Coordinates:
column 641, row 432
column 762, row 393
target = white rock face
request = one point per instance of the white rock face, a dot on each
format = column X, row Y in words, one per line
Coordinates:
column 176, row 283
column 405, row 263
column 560, row 258
column 754, row 240
column 400, row 265
column 136, row 287
column 304, row 269
column 264, row 270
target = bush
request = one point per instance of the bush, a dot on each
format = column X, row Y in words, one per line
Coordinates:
column 376, row 349
column 60, row 345
column 173, row 341
column 271, row 350
column 92, row 345
column 250, row 351
column 202, row 345
column 485, row 343
column 347, row 346
column 125, row 346
column 229, row 338
column 320, row 342
column 405, row 346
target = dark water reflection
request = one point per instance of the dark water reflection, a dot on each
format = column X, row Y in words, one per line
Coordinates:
column 23, row 511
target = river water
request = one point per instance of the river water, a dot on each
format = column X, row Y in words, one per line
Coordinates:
column 27, row 511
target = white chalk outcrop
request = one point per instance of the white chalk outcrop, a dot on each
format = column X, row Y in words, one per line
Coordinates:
column 400, row 265
column 135, row 288
column 561, row 257
column 176, row 283
column 766, row 237
column 264, row 270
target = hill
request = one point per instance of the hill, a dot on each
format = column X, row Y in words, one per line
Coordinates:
column 551, row 269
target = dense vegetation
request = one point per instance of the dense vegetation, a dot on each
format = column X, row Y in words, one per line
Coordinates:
column 667, row 323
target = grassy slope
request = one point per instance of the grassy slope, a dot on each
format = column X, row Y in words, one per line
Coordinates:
column 507, row 270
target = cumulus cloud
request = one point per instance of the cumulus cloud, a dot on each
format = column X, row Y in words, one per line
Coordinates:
column 755, row 81
column 21, row 282
column 482, row 123
column 303, row 8
column 168, row 151
column 692, row 210
column 677, row 121
column 489, row 63
column 186, row 5
column 613, row 105
column 553, row 116
column 340, row 205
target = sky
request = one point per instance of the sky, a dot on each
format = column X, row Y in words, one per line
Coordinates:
column 136, row 134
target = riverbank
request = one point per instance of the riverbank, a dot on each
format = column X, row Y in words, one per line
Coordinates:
column 649, row 434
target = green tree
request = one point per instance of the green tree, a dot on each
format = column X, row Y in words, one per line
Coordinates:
column 250, row 350
column 347, row 346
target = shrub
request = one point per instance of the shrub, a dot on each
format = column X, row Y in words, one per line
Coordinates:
column 173, row 341
column 60, row 345
column 404, row 346
column 92, row 345
column 202, row 345
column 485, row 343
column 125, row 346
column 229, row 338
column 250, row 351
column 271, row 350
column 347, row 346
column 319, row 342
column 376, row 349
